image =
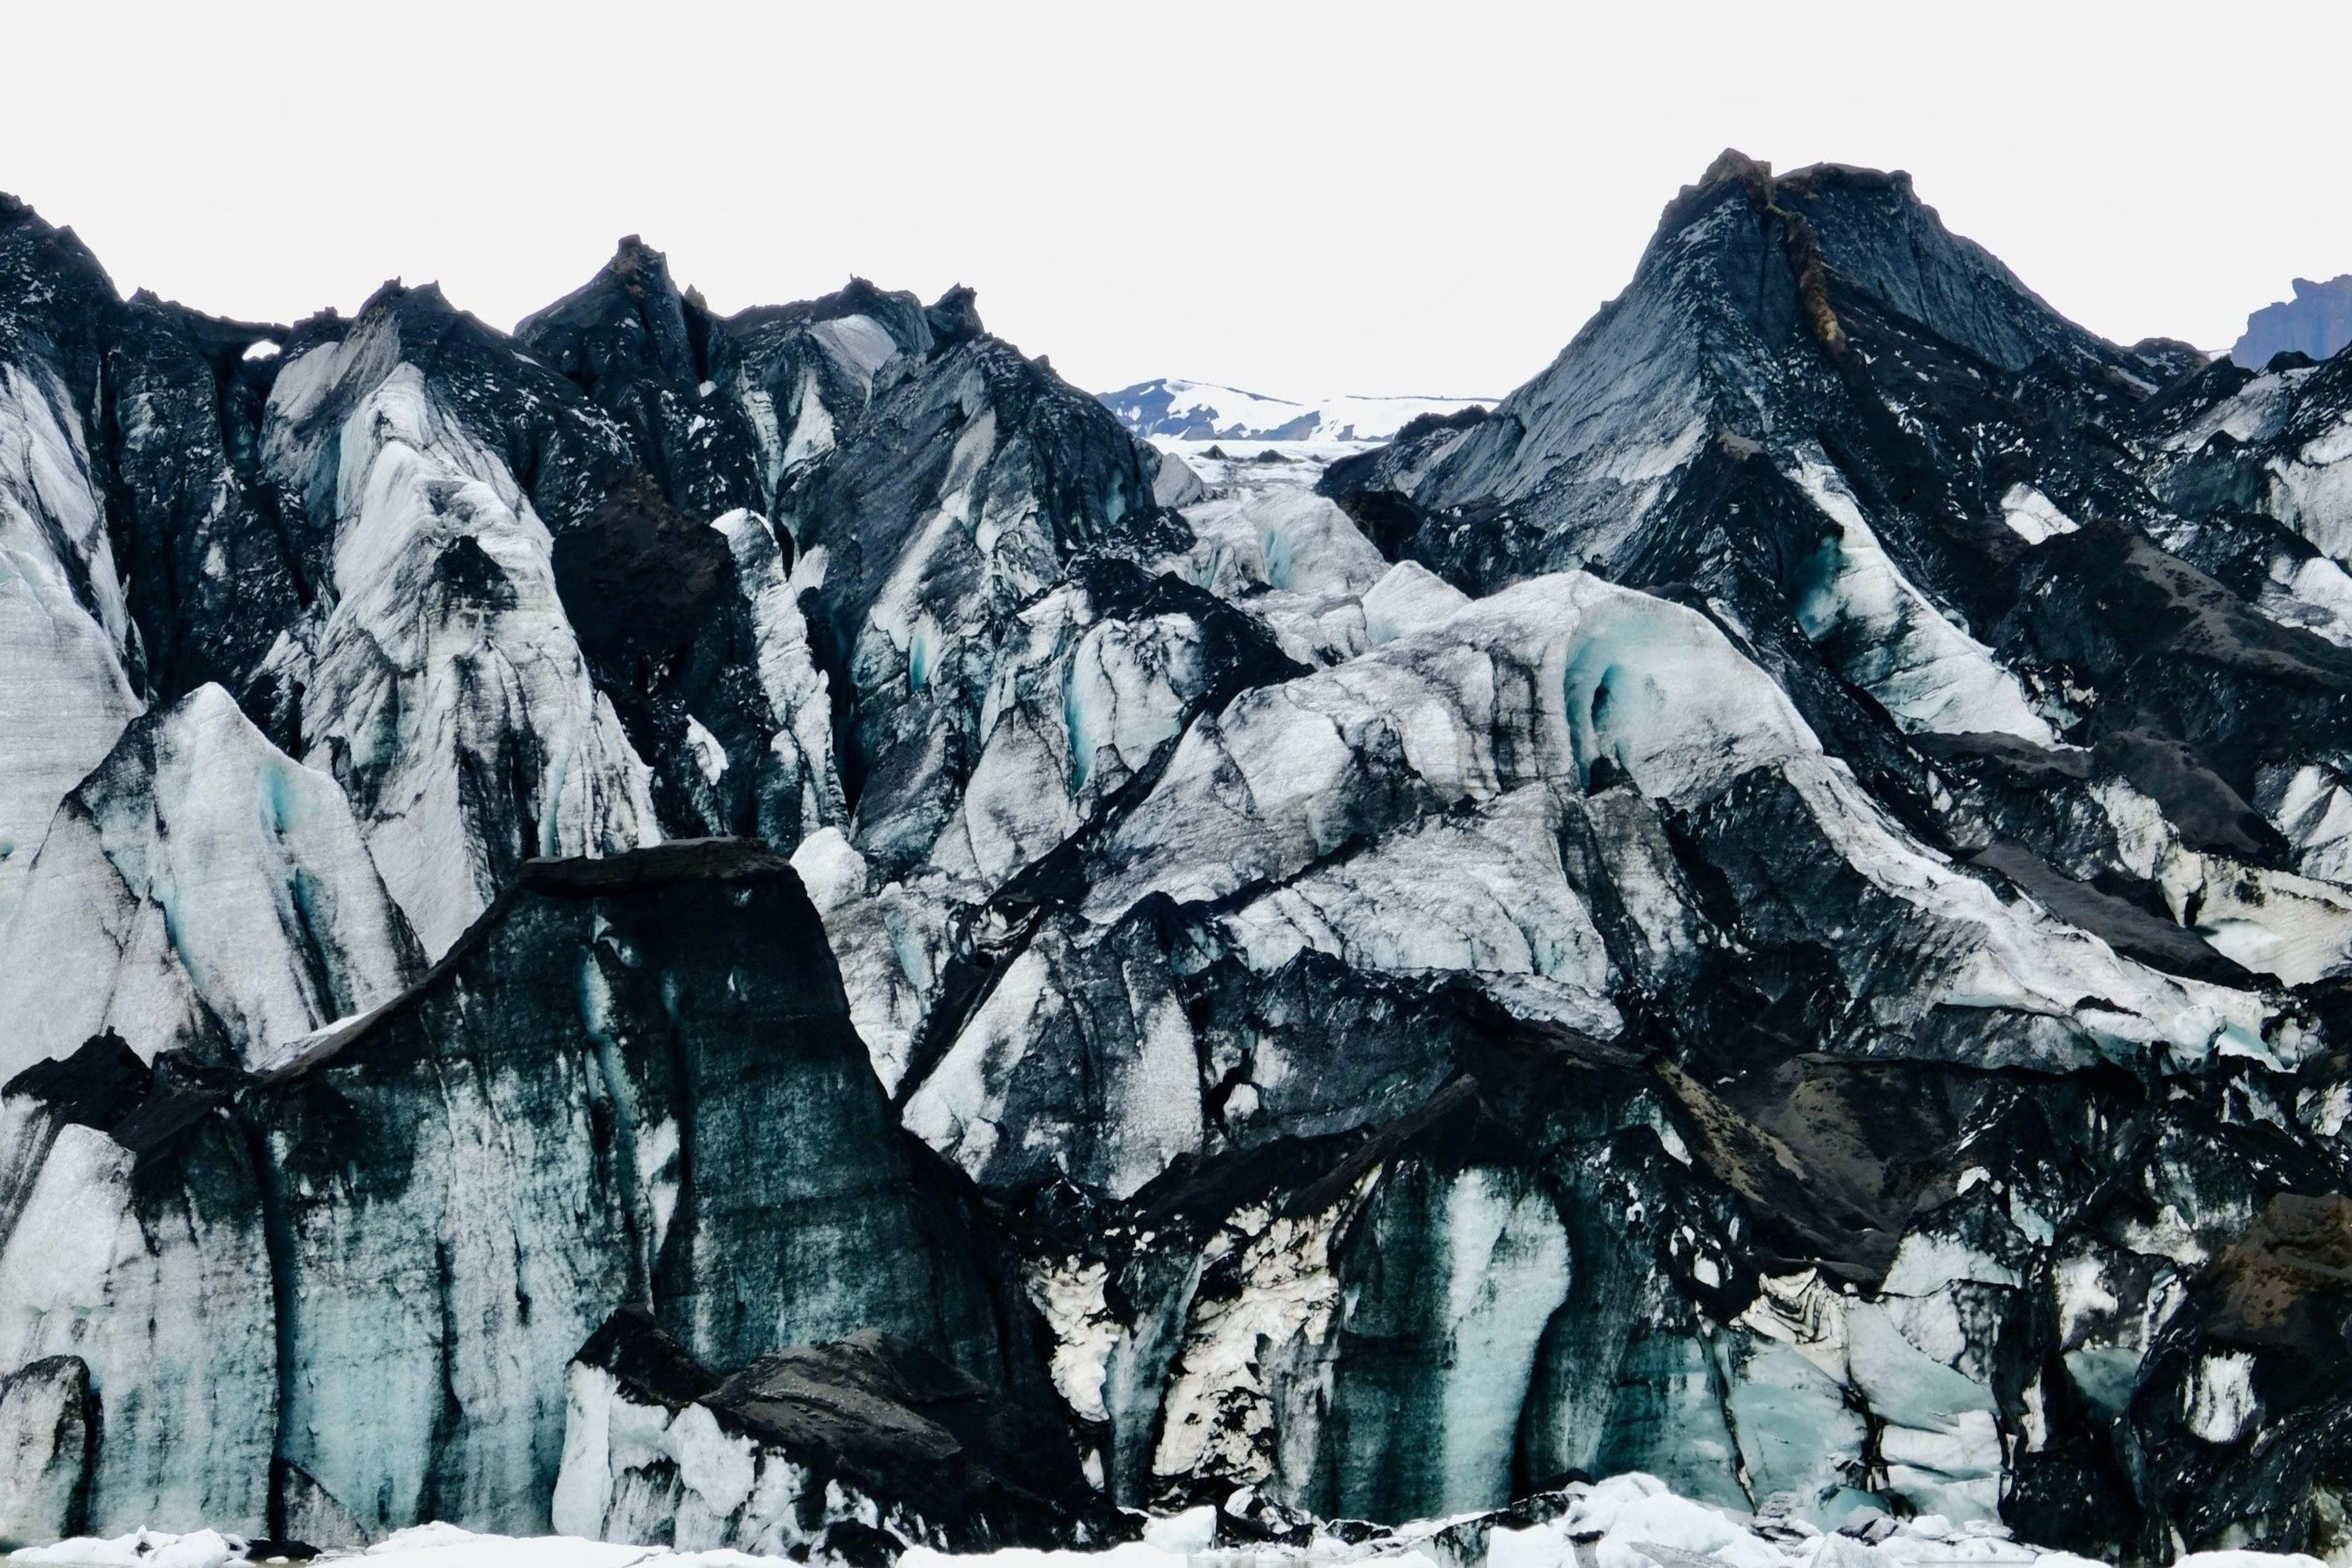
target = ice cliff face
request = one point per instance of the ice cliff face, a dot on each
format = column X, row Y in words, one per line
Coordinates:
column 339, row 1292
column 767, row 932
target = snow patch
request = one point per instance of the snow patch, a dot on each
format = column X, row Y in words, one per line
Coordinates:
column 1631, row 1520
column 2032, row 515
column 1069, row 1295
column 2220, row 1402
column 1203, row 411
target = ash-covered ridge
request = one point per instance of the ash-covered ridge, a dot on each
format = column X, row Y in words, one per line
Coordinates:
column 1773, row 912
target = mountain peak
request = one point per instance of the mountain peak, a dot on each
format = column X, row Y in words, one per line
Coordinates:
column 954, row 316
column 1846, row 230
column 639, row 267
column 2317, row 322
column 1731, row 169
column 630, row 316
column 1754, row 178
column 631, row 250
column 1732, row 166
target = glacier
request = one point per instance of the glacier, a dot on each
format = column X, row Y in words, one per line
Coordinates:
column 676, row 934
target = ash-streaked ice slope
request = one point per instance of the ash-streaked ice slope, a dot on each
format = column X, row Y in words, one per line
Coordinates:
column 772, row 934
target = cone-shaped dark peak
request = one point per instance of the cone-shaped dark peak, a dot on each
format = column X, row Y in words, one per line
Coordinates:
column 639, row 267
column 53, row 293
column 1731, row 171
column 1732, row 166
column 1865, row 230
column 631, row 248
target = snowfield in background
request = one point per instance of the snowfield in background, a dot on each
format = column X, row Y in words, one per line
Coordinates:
column 1629, row 1521
column 1201, row 411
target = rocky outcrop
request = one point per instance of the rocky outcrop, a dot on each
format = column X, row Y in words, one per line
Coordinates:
column 852, row 1450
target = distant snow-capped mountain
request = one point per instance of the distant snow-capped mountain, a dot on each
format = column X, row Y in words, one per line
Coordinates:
column 1197, row 411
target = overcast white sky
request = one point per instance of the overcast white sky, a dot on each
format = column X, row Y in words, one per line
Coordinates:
column 1297, row 199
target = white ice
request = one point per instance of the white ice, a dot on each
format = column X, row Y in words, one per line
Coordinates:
column 1266, row 541
column 1408, row 598
column 888, row 943
column 859, row 344
column 799, row 697
column 2032, row 516
column 1544, row 682
column 170, row 1309
column 1078, row 704
column 2297, row 929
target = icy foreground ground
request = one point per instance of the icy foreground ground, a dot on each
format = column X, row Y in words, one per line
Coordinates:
column 1629, row 1521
